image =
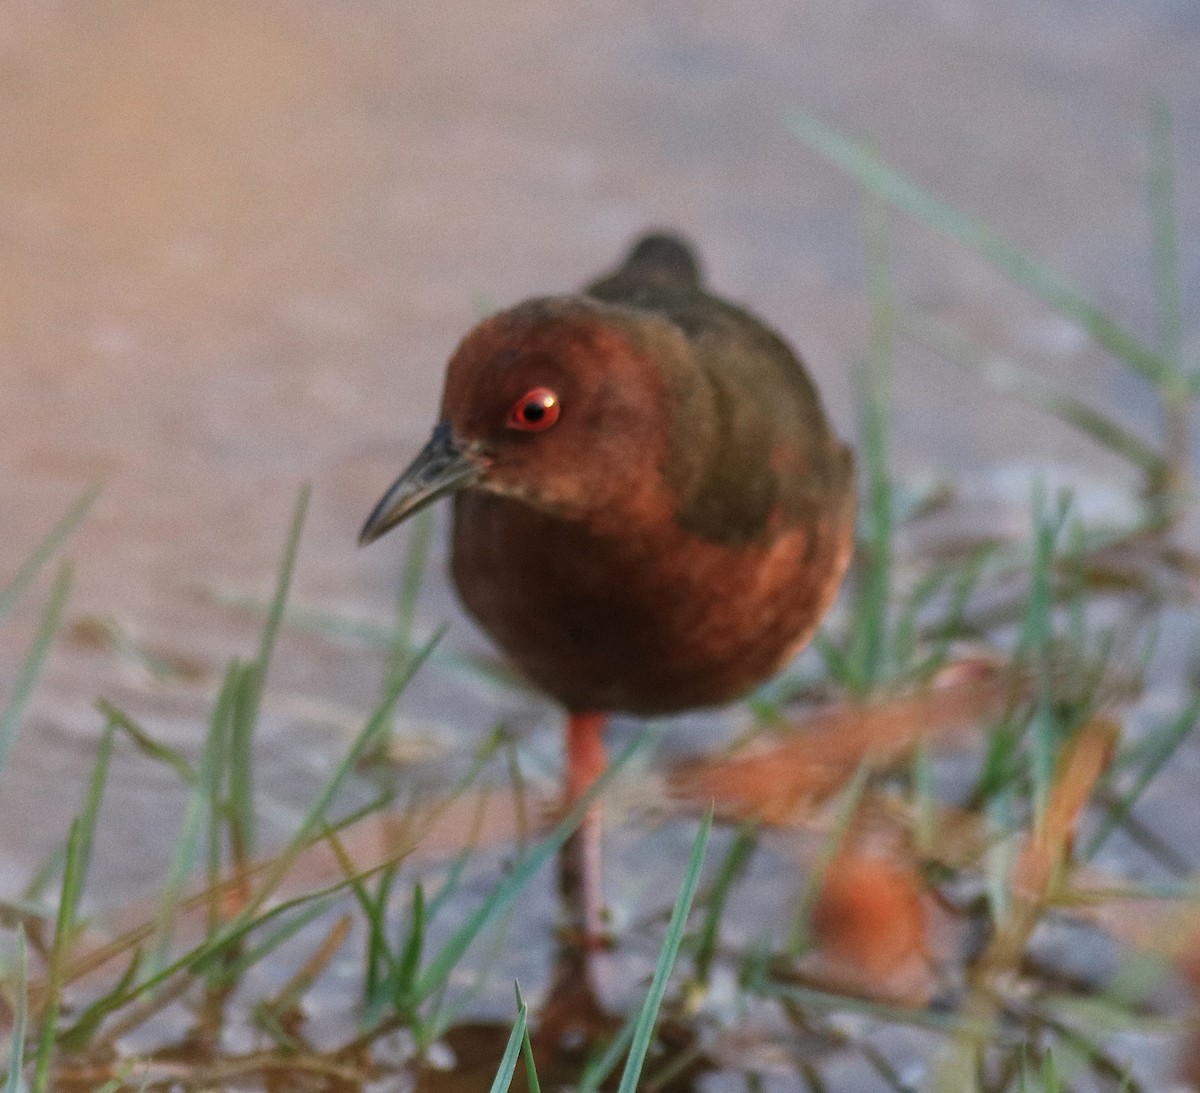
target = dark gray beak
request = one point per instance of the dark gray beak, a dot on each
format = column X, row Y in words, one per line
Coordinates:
column 440, row 468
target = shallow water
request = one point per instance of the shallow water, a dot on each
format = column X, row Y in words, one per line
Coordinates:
column 238, row 241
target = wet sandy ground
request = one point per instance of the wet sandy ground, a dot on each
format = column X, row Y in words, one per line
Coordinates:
column 238, row 241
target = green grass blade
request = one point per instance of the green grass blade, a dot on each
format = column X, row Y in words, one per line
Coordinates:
column 15, row 1082
column 1043, row 751
column 924, row 804
column 998, row 769
column 197, row 818
column 283, row 582
column 86, row 1024
column 410, row 590
column 453, row 880
column 1166, row 744
column 44, row 551
column 226, row 974
column 144, row 742
column 512, row 1052
column 953, row 619
column 1049, row 286
column 376, row 724
column 838, row 665
column 1176, row 396
column 250, row 691
column 91, row 808
column 1050, row 1081
column 378, row 960
column 643, row 1030
column 239, row 768
column 447, row 1011
column 35, row 661
column 315, row 817
column 1000, row 856
column 442, row 964
column 217, row 745
column 231, row 933
column 64, row 929
column 870, row 642
column 51, row 868
column 597, row 1070
column 1017, row 381
column 207, row 954
column 1034, row 646
column 736, row 859
column 531, row 1075
column 400, row 988
column 1036, row 630
column 79, row 851
column 905, row 630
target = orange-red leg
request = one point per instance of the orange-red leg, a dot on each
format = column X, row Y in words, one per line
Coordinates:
column 586, row 757
column 581, row 869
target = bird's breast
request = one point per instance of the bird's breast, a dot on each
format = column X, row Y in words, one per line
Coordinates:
column 645, row 618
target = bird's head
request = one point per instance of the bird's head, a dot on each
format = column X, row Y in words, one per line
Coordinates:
column 560, row 403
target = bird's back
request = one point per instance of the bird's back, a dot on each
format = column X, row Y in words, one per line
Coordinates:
column 754, row 441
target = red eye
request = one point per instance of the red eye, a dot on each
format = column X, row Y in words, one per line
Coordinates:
column 534, row 411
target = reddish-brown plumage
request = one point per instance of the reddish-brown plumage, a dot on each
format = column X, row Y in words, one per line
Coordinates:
column 651, row 512
column 573, row 544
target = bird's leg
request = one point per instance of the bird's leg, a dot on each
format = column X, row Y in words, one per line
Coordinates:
column 580, row 862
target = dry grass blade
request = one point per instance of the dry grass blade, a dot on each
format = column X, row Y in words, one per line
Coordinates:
column 1037, row 876
column 782, row 783
column 294, row 990
column 1040, row 867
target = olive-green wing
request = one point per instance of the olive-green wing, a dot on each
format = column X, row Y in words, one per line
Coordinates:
column 750, row 441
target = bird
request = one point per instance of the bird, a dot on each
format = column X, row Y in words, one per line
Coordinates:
column 651, row 511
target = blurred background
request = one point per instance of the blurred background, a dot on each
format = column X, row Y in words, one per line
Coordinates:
column 239, row 240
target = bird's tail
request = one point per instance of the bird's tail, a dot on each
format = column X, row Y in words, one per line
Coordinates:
column 658, row 260
column 665, row 257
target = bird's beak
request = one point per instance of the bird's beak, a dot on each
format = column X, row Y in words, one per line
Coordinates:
column 441, row 467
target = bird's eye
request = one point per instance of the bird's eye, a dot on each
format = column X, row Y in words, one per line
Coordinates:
column 534, row 411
